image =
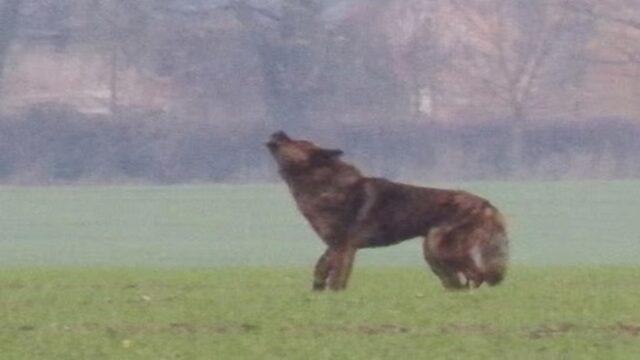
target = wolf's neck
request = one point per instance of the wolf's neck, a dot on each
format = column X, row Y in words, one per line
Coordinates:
column 340, row 175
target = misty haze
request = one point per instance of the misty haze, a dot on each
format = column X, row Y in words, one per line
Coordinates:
column 183, row 91
column 147, row 211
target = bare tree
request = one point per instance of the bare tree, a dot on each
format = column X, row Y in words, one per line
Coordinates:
column 619, row 22
column 119, row 29
column 288, row 44
column 520, row 53
column 418, row 52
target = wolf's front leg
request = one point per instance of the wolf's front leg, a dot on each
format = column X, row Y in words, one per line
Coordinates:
column 341, row 265
column 321, row 271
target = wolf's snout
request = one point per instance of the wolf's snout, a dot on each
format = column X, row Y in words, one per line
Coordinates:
column 280, row 136
column 276, row 139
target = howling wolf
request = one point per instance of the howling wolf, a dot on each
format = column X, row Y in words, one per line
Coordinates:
column 465, row 241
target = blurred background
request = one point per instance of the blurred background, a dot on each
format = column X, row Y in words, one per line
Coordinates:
column 186, row 91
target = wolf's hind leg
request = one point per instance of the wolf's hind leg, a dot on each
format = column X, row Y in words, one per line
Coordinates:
column 450, row 277
column 454, row 280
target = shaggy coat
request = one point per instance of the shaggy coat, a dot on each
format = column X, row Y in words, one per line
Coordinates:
column 465, row 241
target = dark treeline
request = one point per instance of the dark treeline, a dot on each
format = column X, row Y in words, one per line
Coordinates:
column 183, row 91
column 58, row 145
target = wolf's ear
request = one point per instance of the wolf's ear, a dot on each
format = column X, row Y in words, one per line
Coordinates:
column 332, row 153
column 323, row 156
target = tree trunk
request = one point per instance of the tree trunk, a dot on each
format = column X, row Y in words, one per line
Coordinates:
column 113, row 83
column 518, row 139
column 9, row 15
column 287, row 77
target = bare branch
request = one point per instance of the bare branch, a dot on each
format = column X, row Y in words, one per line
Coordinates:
column 589, row 10
column 242, row 5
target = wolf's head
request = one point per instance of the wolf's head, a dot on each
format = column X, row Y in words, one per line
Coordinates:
column 291, row 154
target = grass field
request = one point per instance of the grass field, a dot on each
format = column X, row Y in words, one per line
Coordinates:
column 389, row 313
column 222, row 272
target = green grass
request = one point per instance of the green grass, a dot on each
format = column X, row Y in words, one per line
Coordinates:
column 254, row 313
column 223, row 272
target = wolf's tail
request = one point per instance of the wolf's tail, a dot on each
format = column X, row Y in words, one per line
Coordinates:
column 496, row 257
column 495, row 253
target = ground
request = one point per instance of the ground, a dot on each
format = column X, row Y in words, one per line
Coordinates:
column 225, row 272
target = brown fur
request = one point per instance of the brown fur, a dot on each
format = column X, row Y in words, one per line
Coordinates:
column 465, row 243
